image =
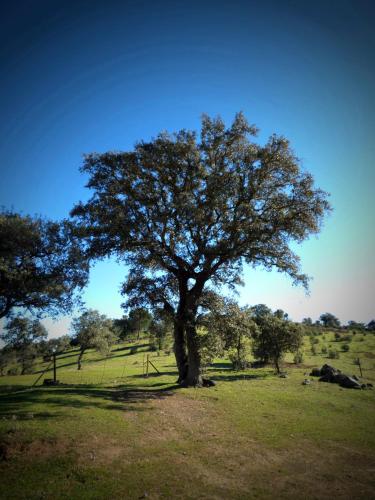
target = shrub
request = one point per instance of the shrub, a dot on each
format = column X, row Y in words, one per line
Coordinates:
column 134, row 349
column 313, row 350
column 333, row 354
column 298, row 357
column 361, row 339
column 346, row 338
column 13, row 371
column 337, row 337
column 324, row 350
column 345, row 347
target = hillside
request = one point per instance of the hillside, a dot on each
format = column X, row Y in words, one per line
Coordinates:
column 108, row 431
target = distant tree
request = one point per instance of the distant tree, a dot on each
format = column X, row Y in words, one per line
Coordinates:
column 159, row 328
column 20, row 332
column 329, row 320
column 307, row 322
column 7, row 357
column 259, row 312
column 279, row 313
column 276, row 337
column 235, row 326
column 371, row 325
column 355, row 325
column 92, row 330
column 139, row 320
column 122, row 327
column 22, row 335
column 194, row 211
column 41, row 265
column 55, row 345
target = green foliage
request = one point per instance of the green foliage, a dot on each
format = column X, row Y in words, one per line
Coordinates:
column 186, row 213
column 160, row 327
column 329, row 320
column 314, row 351
column 275, row 338
column 93, row 330
column 230, row 327
column 41, row 265
column 345, row 347
column 20, row 332
column 7, row 356
column 333, row 354
column 139, row 320
column 298, row 357
column 20, row 336
column 324, row 350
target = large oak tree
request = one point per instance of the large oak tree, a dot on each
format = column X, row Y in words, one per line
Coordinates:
column 189, row 212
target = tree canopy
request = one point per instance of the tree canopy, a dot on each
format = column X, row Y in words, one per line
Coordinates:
column 92, row 330
column 329, row 320
column 187, row 213
column 41, row 265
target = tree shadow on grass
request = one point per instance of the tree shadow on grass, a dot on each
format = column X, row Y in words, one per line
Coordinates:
column 24, row 404
column 234, row 376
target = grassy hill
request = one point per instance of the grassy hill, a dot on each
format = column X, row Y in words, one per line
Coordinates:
column 109, row 432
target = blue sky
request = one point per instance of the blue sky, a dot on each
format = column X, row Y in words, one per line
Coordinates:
column 89, row 76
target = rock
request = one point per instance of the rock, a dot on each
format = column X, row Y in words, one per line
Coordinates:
column 283, row 375
column 208, row 383
column 346, row 381
column 306, row 382
column 315, row 372
column 328, row 369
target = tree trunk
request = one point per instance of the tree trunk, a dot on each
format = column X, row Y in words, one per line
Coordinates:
column 277, row 365
column 194, row 375
column 189, row 367
column 180, row 350
column 79, row 361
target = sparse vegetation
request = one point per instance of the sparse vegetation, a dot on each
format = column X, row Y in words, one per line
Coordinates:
column 107, row 428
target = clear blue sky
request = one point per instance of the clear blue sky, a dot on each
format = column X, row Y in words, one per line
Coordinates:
column 89, row 76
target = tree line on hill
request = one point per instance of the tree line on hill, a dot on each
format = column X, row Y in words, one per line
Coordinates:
column 184, row 214
column 224, row 330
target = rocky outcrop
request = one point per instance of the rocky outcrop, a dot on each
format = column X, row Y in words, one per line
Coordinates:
column 330, row 374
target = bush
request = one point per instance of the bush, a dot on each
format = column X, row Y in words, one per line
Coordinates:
column 346, row 338
column 298, row 358
column 13, row 371
column 313, row 350
column 337, row 337
column 134, row 349
column 324, row 350
column 345, row 347
column 333, row 354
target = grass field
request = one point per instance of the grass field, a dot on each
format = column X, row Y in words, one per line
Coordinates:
column 109, row 432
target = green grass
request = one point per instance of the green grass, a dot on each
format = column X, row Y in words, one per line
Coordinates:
column 107, row 431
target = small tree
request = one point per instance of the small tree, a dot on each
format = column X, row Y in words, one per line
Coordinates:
column 160, row 326
column 92, row 330
column 139, row 320
column 22, row 335
column 235, row 326
column 276, row 337
column 7, row 357
column 329, row 320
